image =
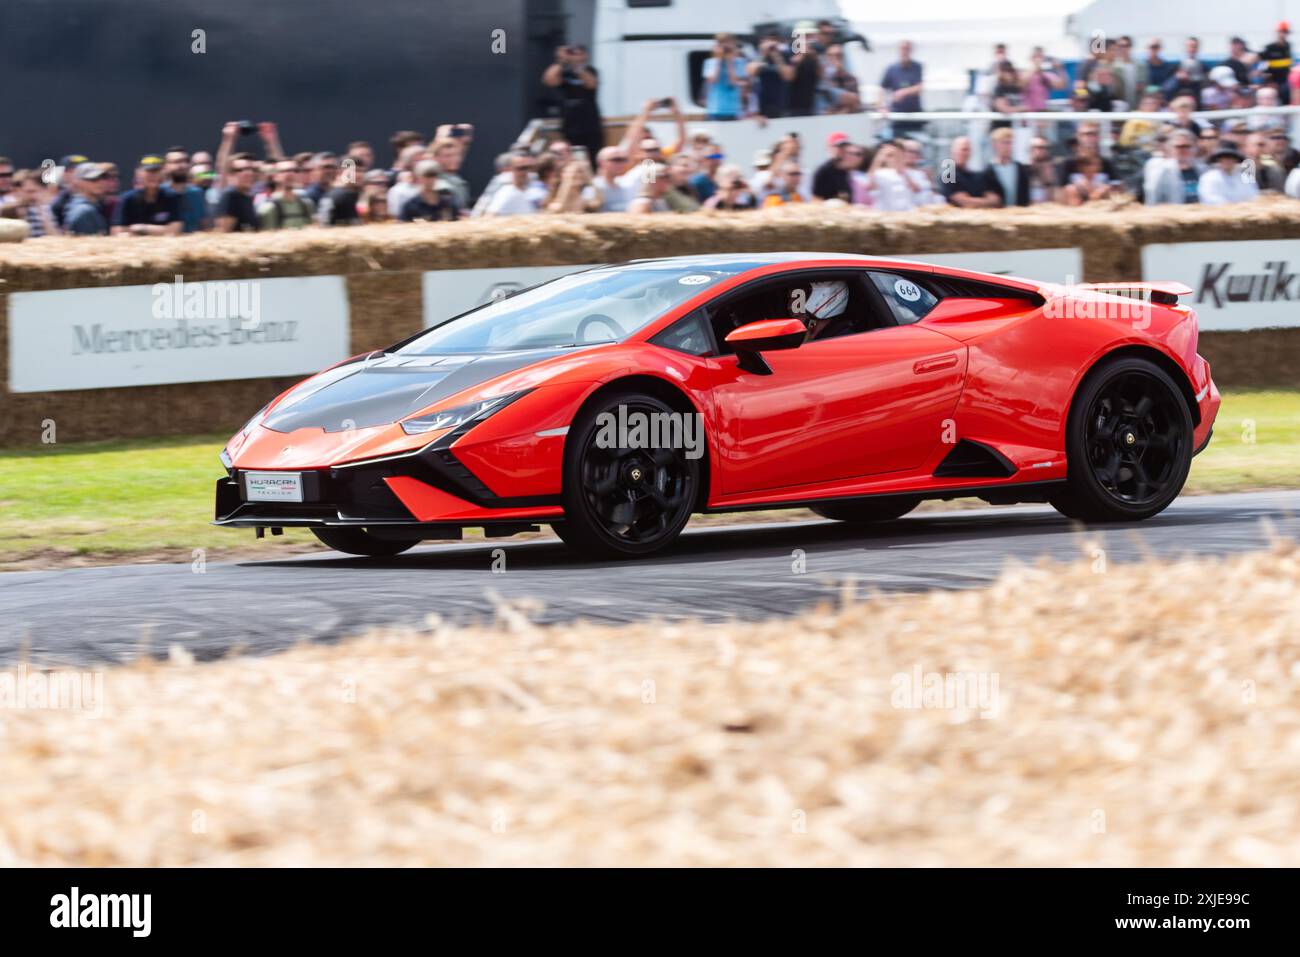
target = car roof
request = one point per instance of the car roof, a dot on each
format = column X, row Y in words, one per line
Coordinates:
column 738, row 264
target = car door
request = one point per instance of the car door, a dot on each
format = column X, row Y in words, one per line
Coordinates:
column 858, row 404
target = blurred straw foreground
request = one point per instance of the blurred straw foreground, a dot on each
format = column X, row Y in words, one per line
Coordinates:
column 1144, row 715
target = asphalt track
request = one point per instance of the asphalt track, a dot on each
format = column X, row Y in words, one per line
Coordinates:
column 91, row 616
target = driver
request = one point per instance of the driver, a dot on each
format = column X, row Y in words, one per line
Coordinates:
column 822, row 302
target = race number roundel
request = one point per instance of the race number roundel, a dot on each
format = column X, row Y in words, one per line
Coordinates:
column 907, row 291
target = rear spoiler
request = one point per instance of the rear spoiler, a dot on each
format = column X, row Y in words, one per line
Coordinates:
column 1161, row 293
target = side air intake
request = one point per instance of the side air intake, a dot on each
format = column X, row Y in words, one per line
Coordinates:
column 974, row 460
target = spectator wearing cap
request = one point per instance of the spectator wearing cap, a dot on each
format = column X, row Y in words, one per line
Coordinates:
column 702, row 183
column 516, row 197
column 189, row 197
column 724, row 79
column 1178, row 178
column 961, row 185
column 83, row 215
column 148, row 209
column 831, row 180
column 762, row 178
column 1217, row 92
column 435, row 201
column 285, row 207
column 1225, row 181
column 1004, row 176
column 67, row 186
column 235, row 211
column 901, row 88
column 1275, row 60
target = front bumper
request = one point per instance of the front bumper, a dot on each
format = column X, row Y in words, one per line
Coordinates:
column 428, row 489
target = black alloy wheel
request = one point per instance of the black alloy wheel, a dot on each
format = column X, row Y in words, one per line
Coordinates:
column 622, row 501
column 1129, row 444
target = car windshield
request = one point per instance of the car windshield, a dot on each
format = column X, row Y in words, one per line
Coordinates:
column 607, row 304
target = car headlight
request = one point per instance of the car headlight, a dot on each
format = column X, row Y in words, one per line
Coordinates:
column 240, row 437
column 453, row 418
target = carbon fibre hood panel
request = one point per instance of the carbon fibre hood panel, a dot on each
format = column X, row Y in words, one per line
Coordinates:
column 381, row 389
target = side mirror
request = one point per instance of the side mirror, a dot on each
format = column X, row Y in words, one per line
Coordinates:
column 767, row 335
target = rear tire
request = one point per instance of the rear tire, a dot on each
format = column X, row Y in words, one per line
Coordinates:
column 358, row 541
column 623, row 503
column 867, row 510
column 1128, row 444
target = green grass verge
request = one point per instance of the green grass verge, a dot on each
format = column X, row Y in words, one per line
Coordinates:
column 152, row 499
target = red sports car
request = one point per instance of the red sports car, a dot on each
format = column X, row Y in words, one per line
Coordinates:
column 614, row 402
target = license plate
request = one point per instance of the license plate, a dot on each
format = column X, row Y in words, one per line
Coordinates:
column 273, row 486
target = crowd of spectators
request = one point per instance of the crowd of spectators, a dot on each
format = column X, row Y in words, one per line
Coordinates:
column 1167, row 156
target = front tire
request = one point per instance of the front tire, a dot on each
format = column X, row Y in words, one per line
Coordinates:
column 868, row 510
column 623, row 502
column 358, row 541
column 1128, row 444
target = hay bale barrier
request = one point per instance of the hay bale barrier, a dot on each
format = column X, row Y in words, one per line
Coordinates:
column 1133, row 718
column 382, row 265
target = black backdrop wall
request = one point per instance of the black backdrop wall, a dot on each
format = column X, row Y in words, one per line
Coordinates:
column 114, row 79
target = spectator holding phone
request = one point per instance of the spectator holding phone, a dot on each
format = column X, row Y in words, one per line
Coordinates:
column 724, row 79
column 575, row 81
column 770, row 75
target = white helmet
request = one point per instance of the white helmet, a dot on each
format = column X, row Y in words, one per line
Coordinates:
column 827, row 299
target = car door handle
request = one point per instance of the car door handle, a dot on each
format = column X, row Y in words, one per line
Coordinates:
column 935, row 363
